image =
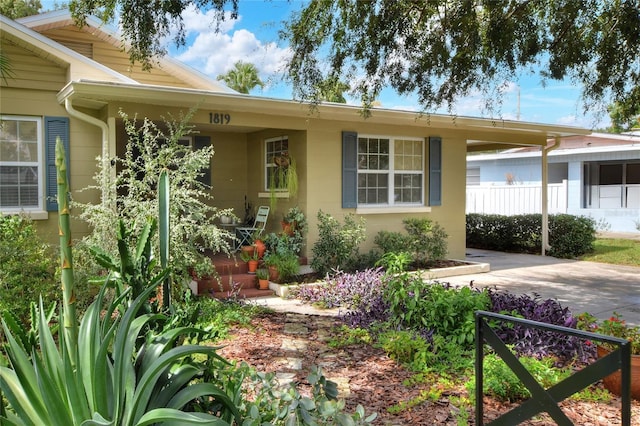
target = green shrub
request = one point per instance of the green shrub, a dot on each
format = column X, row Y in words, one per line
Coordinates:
column 445, row 310
column 428, row 240
column 569, row 236
column 425, row 240
column 131, row 195
column 389, row 241
column 28, row 267
column 337, row 244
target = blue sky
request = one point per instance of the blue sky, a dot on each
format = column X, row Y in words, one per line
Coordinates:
column 254, row 38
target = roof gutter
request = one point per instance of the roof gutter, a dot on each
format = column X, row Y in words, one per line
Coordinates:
column 545, row 201
column 99, row 123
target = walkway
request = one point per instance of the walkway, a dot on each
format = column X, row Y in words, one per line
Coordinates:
column 597, row 288
column 298, row 343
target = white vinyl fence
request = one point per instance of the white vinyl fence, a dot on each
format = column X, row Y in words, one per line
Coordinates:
column 515, row 199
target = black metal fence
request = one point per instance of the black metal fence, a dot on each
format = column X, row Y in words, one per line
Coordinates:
column 548, row 400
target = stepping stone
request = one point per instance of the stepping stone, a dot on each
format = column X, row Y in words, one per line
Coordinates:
column 295, row 328
column 343, row 386
column 324, row 335
column 285, row 378
column 291, row 362
column 294, row 345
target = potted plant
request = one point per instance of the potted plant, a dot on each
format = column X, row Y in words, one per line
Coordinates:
column 617, row 327
column 284, row 176
column 259, row 244
column 247, row 251
column 203, row 273
column 294, row 220
column 251, row 257
column 263, row 278
column 282, row 266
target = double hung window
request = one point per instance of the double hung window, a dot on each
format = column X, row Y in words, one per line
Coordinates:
column 390, row 171
column 21, row 181
column 276, row 155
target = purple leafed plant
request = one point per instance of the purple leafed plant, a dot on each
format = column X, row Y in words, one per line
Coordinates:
column 377, row 311
column 532, row 341
column 352, row 291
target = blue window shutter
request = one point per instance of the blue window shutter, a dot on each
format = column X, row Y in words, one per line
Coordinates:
column 349, row 170
column 200, row 142
column 435, row 171
column 54, row 127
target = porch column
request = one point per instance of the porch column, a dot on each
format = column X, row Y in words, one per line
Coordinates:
column 544, row 201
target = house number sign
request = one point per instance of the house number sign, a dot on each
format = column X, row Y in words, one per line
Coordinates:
column 219, row 118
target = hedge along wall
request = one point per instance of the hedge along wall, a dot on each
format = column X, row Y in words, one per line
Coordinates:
column 569, row 236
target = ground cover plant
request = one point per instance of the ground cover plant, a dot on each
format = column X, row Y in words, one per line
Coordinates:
column 428, row 327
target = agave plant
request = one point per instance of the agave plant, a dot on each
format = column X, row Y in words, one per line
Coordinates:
column 118, row 381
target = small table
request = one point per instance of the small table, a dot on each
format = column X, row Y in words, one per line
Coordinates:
column 231, row 228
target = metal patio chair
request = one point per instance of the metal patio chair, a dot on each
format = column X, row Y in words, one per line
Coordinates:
column 245, row 234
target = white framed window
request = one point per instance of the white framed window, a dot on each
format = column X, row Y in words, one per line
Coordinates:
column 276, row 149
column 473, row 176
column 390, row 171
column 611, row 184
column 21, row 164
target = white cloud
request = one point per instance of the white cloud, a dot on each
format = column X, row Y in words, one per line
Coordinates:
column 214, row 53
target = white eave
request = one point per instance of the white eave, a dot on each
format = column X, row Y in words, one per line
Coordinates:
column 86, row 93
column 556, row 153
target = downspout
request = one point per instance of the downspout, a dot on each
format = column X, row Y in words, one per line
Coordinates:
column 545, row 202
column 105, row 135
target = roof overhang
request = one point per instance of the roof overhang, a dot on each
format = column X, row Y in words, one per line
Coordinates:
column 480, row 133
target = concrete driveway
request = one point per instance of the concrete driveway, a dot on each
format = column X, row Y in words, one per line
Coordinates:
column 597, row 288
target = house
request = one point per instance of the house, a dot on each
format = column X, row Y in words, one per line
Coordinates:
column 596, row 175
column 72, row 82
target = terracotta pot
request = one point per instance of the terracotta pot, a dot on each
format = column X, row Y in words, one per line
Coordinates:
column 613, row 382
column 288, row 227
column 263, row 284
column 259, row 245
column 253, row 266
column 248, row 249
column 273, row 274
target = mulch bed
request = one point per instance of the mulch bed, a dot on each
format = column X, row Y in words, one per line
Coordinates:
column 376, row 381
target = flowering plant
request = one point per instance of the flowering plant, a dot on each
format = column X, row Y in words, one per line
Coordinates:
column 613, row 326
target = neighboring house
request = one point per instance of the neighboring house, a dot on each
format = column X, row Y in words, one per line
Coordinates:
column 72, row 83
column 596, row 175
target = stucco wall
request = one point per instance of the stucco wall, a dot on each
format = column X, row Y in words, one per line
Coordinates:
column 84, row 142
column 325, row 182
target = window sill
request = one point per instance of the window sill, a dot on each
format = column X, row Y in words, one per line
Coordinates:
column 33, row 215
column 393, row 209
column 277, row 195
